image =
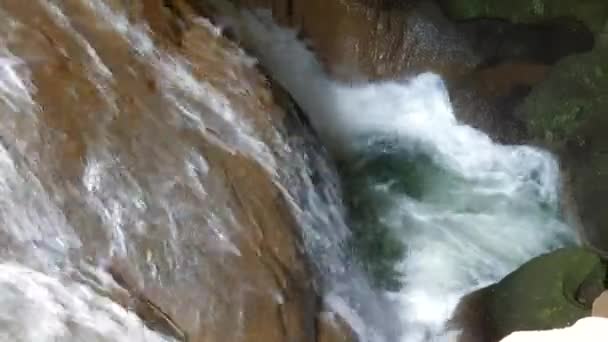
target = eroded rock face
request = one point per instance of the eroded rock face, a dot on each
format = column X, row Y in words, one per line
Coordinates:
column 156, row 142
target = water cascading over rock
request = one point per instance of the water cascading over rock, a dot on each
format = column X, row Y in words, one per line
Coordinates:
column 147, row 173
column 471, row 210
column 157, row 187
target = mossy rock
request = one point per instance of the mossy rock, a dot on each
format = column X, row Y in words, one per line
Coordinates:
column 593, row 13
column 575, row 93
column 550, row 291
column 569, row 113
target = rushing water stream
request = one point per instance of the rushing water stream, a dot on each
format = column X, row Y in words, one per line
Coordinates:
column 467, row 210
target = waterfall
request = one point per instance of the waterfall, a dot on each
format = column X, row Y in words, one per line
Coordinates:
column 467, row 210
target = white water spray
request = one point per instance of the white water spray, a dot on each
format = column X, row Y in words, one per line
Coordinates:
column 497, row 208
column 39, row 307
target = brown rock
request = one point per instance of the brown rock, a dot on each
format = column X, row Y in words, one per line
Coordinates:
column 127, row 97
column 332, row 328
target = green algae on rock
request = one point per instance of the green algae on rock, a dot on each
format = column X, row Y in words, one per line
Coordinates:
column 574, row 93
column 568, row 112
column 551, row 291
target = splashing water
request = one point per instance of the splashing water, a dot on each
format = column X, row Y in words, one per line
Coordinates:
column 481, row 209
column 62, row 310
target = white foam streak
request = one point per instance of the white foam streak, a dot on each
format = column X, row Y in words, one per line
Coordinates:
column 196, row 101
column 15, row 88
column 100, row 75
column 38, row 307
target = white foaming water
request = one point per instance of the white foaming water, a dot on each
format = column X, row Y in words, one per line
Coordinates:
column 495, row 207
column 62, row 311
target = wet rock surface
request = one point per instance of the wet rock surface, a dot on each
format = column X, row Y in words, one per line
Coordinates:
column 567, row 112
column 365, row 39
column 156, row 138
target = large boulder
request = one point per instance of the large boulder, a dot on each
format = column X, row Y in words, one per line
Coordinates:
column 569, row 113
column 387, row 39
column 551, row 291
column 600, row 306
